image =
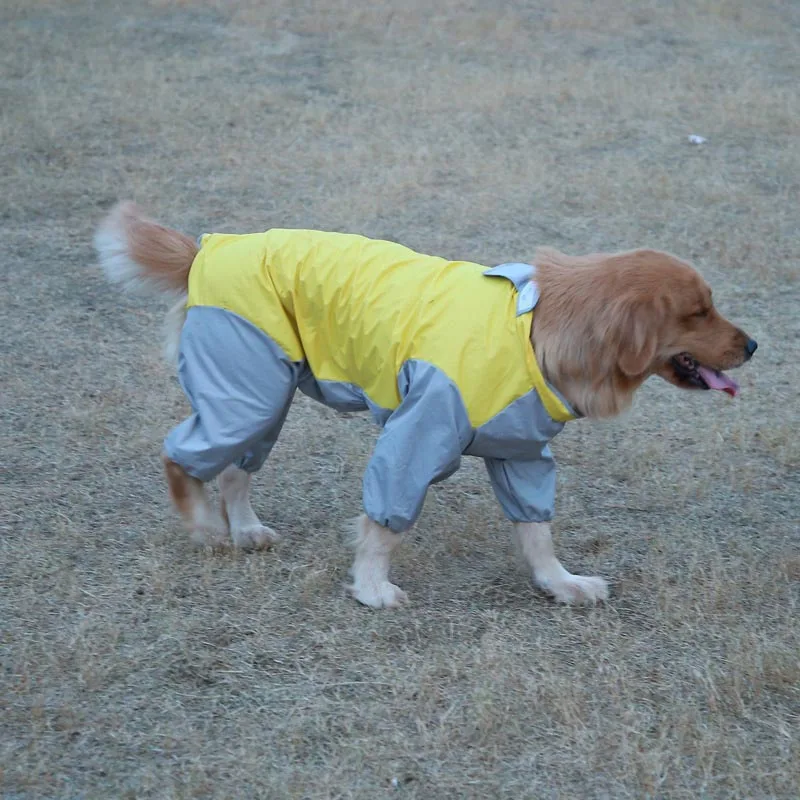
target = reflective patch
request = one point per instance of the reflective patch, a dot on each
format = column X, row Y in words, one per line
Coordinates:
column 528, row 298
column 522, row 276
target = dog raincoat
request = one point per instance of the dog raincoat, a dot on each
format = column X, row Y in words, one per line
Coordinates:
column 439, row 351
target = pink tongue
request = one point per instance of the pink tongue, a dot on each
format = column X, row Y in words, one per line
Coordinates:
column 719, row 380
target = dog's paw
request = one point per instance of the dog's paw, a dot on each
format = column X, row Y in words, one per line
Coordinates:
column 575, row 590
column 210, row 535
column 378, row 594
column 254, row 537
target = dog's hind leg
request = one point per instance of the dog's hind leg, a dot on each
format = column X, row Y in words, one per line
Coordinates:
column 240, row 385
column 370, row 571
column 205, row 524
column 246, row 528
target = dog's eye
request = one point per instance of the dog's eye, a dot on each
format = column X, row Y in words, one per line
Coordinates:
column 704, row 312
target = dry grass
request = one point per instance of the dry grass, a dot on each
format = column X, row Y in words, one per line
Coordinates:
column 135, row 667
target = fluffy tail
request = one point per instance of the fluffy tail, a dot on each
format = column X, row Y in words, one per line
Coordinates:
column 137, row 253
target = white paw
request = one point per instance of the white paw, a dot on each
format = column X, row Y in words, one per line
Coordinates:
column 254, row 537
column 378, row 594
column 575, row 590
column 210, row 535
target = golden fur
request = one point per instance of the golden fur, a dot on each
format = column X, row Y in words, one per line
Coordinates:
column 607, row 322
column 603, row 325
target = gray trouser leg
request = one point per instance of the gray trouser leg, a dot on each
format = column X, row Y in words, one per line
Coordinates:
column 240, row 384
column 254, row 458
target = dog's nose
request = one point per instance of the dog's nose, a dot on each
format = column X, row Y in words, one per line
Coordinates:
column 751, row 347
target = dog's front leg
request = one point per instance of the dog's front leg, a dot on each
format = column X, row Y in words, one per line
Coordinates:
column 206, row 526
column 370, row 571
column 536, row 544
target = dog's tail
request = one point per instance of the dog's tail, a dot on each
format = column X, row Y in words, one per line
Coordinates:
column 137, row 253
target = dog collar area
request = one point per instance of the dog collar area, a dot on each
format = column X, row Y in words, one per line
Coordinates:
column 523, row 277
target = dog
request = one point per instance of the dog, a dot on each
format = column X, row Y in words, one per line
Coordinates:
column 450, row 357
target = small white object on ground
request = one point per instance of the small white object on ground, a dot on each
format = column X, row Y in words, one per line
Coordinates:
column 695, row 138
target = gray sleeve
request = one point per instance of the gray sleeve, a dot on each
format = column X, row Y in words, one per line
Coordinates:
column 421, row 444
column 526, row 489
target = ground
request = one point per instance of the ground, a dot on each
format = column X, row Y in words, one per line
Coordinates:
column 135, row 666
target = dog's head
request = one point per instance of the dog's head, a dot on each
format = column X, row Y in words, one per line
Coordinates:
column 628, row 316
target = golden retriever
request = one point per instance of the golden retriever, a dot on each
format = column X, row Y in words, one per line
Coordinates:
column 598, row 327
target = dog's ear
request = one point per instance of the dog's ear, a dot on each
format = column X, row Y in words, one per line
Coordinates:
column 640, row 324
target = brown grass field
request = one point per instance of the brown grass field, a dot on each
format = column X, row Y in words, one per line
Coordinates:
column 134, row 666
